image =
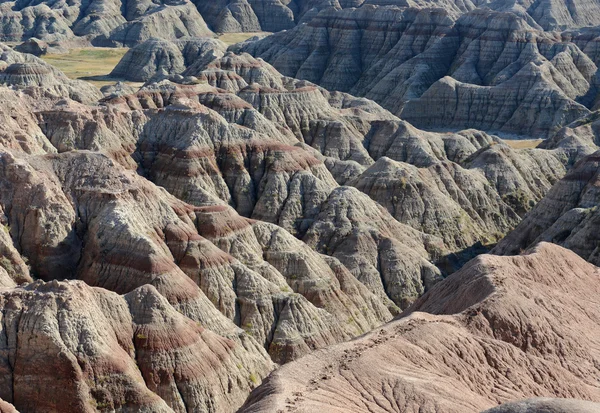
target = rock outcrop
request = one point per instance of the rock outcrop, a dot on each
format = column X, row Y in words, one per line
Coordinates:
column 487, row 70
column 33, row 46
column 161, row 57
column 127, row 23
column 547, row 405
column 553, row 14
column 490, row 336
column 90, row 349
column 355, row 134
column 167, row 21
column 37, row 78
column 567, row 215
column 188, row 236
column 104, row 22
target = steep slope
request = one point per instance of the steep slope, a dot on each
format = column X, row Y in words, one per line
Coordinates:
column 158, row 56
column 487, row 70
column 492, row 336
column 548, row 405
column 567, row 215
column 104, row 22
column 253, row 198
column 354, row 133
column 577, row 140
column 89, row 349
column 553, row 14
column 111, row 228
column 255, row 15
column 26, row 72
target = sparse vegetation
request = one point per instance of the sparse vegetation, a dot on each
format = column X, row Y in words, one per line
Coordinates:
column 522, row 143
column 233, row 38
column 8, row 266
column 92, row 64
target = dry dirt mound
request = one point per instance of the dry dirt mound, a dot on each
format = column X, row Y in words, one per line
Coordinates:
column 500, row 329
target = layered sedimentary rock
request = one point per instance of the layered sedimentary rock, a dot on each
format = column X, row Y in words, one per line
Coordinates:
column 443, row 200
column 553, row 14
column 487, row 70
column 105, row 22
column 90, row 349
column 547, row 404
column 490, row 337
column 180, row 19
column 577, row 140
column 117, row 22
column 161, row 57
column 567, row 215
column 352, row 134
column 39, row 79
column 256, row 15
column 135, row 234
column 255, row 230
column 33, row 46
column 286, row 296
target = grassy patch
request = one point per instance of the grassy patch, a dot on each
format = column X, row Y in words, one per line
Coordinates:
column 232, row 38
column 522, row 143
column 92, row 64
column 254, row 379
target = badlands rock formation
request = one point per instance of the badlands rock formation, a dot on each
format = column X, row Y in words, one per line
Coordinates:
column 27, row 72
column 90, row 350
column 547, row 405
column 553, row 14
column 487, row 70
column 161, row 57
column 116, row 22
column 166, row 248
column 251, row 173
column 354, row 133
column 487, row 334
column 567, row 216
column 105, row 22
column 577, row 140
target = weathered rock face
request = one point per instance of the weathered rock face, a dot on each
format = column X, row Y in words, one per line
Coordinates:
column 458, row 205
column 33, row 46
column 491, row 337
column 85, row 199
column 487, row 70
column 238, row 272
column 567, row 215
column 179, row 19
column 256, row 15
column 91, row 349
column 577, row 140
column 546, row 404
column 105, row 22
column 39, row 79
column 37, row 20
column 160, row 57
column 553, row 14
column 351, row 133
column 220, row 204
column 117, row 22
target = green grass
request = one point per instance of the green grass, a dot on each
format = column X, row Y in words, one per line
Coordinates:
column 522, row 143
column 233, row 38
column 92, row 64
